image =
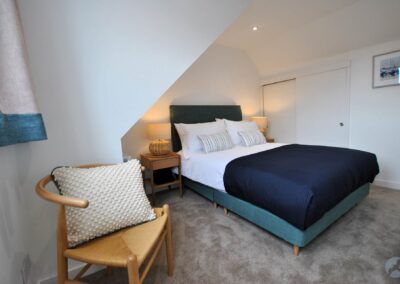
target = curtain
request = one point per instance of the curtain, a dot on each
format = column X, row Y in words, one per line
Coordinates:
column 20, row 120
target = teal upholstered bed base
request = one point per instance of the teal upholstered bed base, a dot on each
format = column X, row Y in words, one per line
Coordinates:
column 256, row 215
column 273, row 223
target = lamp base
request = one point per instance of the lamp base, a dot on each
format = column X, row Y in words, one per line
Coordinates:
column 159, row 147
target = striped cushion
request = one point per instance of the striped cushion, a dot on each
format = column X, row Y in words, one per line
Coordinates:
column 216, row 142
column 252, row 137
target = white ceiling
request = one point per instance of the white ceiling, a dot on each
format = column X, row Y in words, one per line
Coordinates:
column 293, row 33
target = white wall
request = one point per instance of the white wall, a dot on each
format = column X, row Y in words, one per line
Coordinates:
column 222, row 75
column 374, row 113
column 97, row 65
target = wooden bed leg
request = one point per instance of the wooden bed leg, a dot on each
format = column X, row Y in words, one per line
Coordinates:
column 296, row 250
column 215, row 204
column 226, row 211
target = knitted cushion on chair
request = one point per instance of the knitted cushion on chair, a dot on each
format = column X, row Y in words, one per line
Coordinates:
column 116, row 199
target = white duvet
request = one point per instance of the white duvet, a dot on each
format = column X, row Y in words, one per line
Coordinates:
column 209, row 168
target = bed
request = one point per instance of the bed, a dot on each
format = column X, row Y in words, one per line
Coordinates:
column 289, row 225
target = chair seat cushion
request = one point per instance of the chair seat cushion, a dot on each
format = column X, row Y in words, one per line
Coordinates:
column 114, row 249
column 116, row 199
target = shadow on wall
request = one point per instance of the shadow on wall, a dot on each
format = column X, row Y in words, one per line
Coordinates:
column 221, row 76
column 17, row 227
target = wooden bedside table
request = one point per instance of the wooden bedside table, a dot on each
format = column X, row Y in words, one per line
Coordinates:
column 154, row 163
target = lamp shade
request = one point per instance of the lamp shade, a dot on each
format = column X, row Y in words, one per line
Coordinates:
column 159, row 131
column 261, row 121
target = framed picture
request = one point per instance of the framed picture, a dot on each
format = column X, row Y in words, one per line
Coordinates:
column 386, row 69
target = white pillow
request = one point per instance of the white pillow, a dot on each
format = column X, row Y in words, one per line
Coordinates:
column 181, row 133
column 252, row 137
column 216, row 142
column 116, row 199
column 188, row 133
column 233, row 127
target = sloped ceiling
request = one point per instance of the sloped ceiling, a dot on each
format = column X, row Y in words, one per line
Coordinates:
column 292, row 33
column 114, row 59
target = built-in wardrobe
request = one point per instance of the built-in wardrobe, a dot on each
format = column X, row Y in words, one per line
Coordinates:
column 310, row 107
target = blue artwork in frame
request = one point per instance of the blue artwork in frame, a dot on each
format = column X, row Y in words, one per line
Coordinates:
column 386, row 69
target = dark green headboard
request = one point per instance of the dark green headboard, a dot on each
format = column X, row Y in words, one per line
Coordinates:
column 197, row 114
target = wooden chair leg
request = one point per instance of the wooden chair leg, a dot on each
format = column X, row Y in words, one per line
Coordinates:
column 82, row 272
column 168, row 242
column 133, row 270
column 62, row 261
column 62, row 268
column 296, row 250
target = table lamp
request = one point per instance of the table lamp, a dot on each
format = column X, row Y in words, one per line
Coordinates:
column 262, row 123
column 160, row 134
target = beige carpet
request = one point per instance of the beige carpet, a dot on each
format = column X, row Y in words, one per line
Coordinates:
column 213, row 248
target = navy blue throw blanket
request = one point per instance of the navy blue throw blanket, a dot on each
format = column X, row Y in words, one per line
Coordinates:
column 299, row 183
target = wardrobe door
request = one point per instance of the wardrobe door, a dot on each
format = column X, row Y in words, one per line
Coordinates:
column 322, row 108
column 280, row 108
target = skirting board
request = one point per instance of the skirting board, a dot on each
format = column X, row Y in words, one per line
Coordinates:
column 71, row 272
column 387, row 183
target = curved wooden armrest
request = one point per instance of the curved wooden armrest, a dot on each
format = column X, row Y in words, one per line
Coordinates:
column 64, row 200
column 161, row 211
column 56, row 198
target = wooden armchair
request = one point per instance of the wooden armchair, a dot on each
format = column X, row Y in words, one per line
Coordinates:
column 130, row 247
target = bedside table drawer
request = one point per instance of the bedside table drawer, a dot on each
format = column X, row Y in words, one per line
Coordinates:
column 165, row 163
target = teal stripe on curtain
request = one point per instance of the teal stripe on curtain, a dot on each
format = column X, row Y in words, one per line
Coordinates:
column 20, row 128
